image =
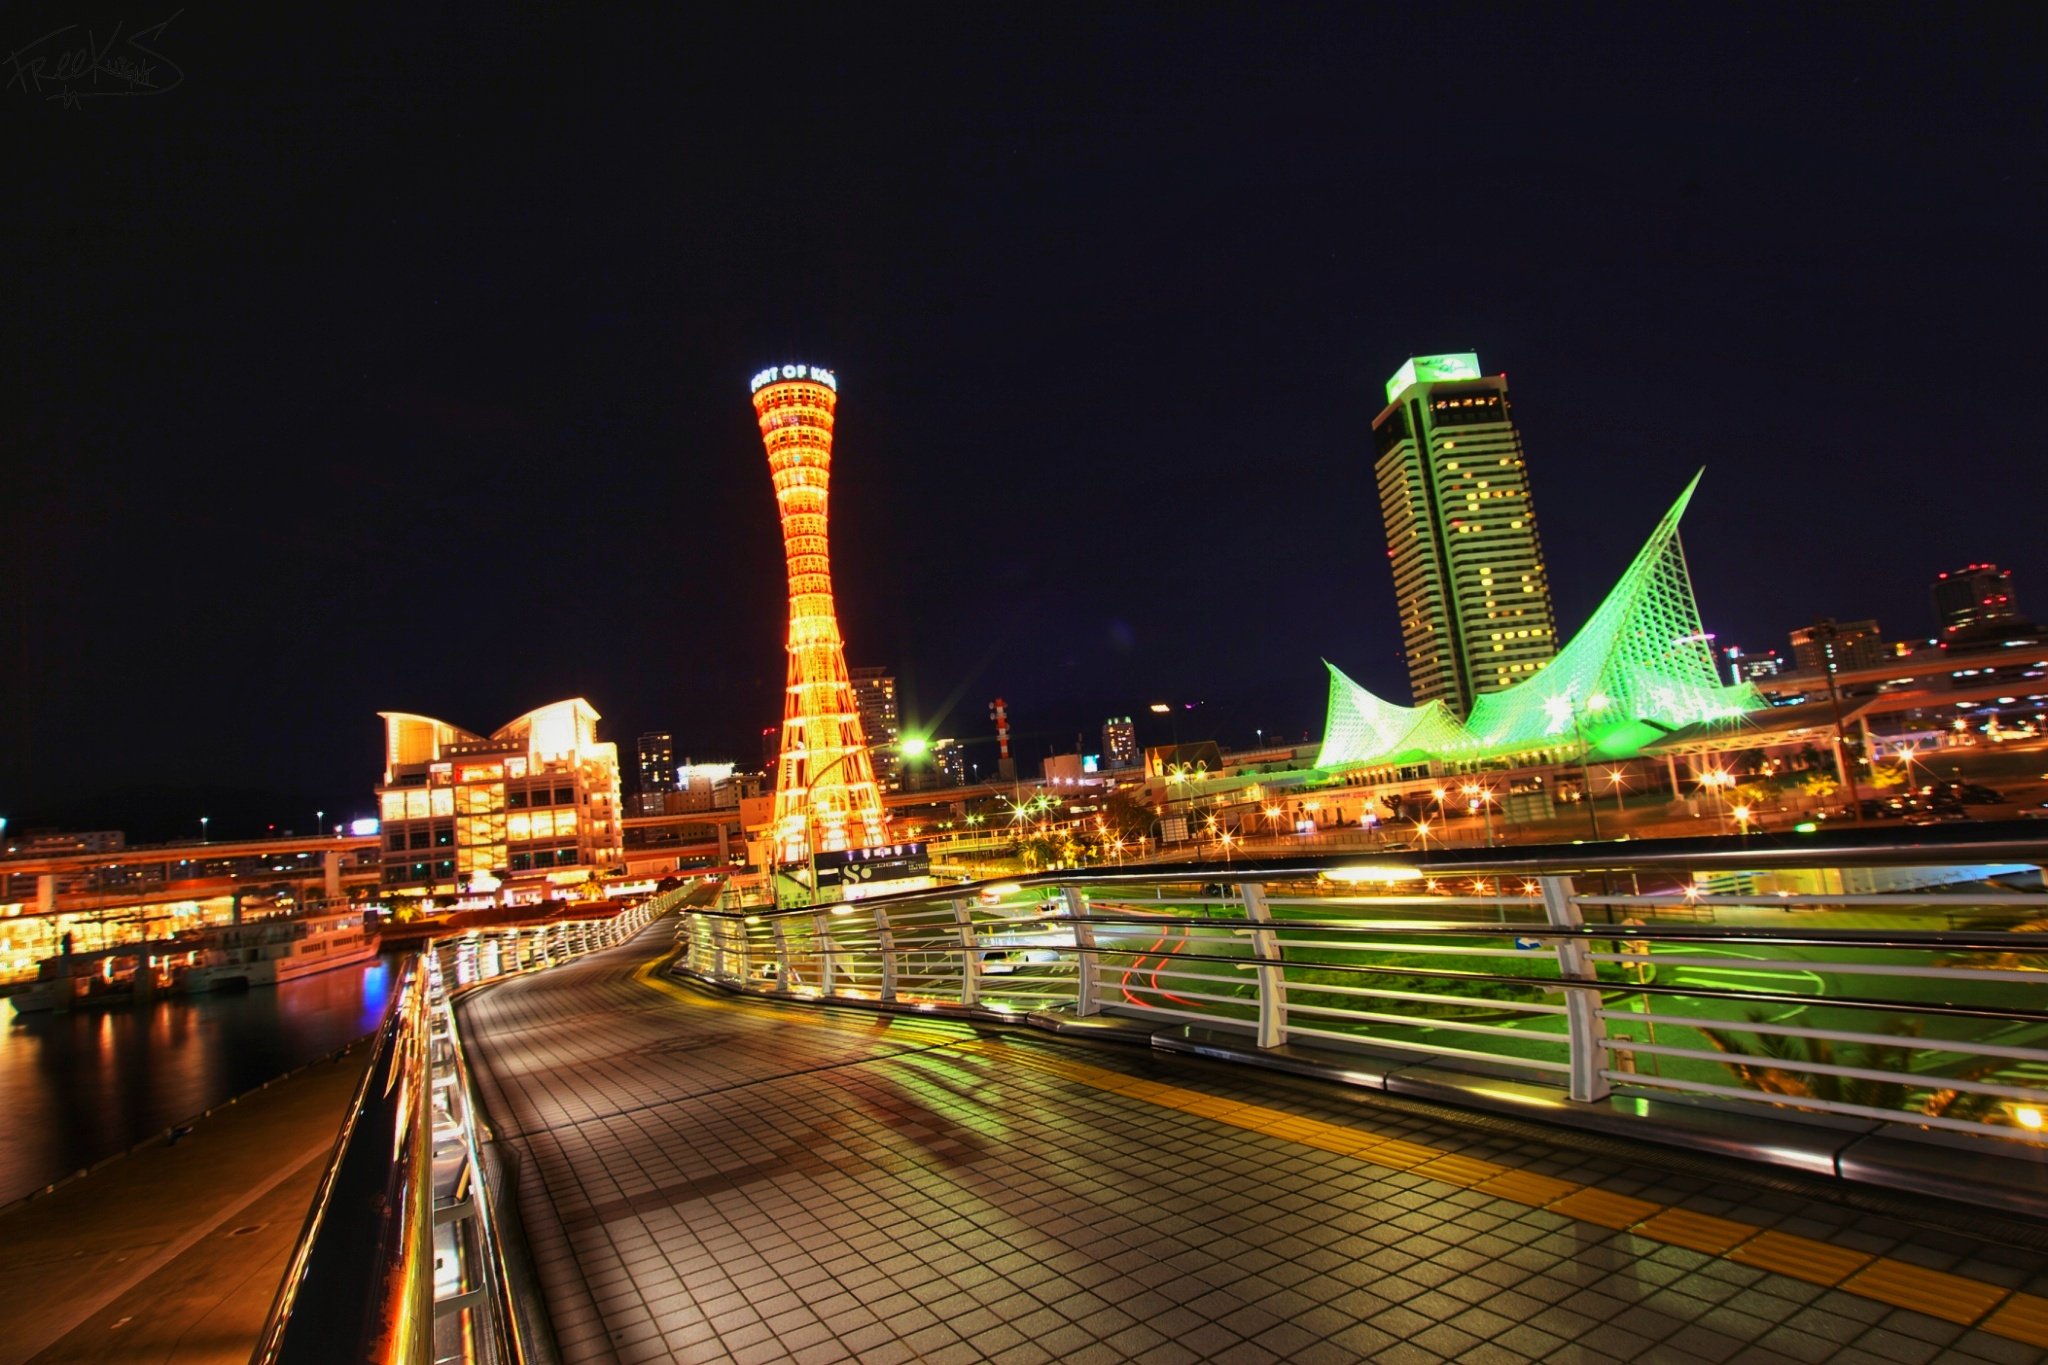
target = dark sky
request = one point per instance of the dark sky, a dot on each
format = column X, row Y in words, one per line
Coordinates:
column 399, row 359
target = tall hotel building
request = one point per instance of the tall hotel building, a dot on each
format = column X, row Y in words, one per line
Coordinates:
column 1468, row 567
column 874, row 696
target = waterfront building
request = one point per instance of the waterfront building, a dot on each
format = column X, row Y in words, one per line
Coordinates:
column 539, row 795
column 874, row 696
column 1829, row 646
column 826, row 798
column 1120, row 742
column 1469, row 576
column 1640, row 669
column 1970, row 601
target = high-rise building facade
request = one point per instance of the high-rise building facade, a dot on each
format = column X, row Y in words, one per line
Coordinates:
column 1469, row 577
column 655, row 764
column 874, row 696
column 1830, row 646
column 1969, row 600
column 538, row 795
column 826, row 797
column 1120, row 742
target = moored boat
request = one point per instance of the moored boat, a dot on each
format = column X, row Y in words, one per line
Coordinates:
column 266, row 951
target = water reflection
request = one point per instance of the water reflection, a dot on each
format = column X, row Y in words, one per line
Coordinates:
column 82, row 1086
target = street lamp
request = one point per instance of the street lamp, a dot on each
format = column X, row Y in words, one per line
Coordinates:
column 202, row 828
column 1595, row 704
column 1481, row 795
column 1906, row 753
column 1720, row 779
column 810, row 827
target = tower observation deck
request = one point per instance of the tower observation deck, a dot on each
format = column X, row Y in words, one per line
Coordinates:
column 826, row 799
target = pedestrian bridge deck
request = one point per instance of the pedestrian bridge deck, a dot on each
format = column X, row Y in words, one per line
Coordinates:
column 707, row 1178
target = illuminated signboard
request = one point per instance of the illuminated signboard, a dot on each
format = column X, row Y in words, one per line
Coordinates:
column 774, row 373
column 1431, row 369
column 889, row 863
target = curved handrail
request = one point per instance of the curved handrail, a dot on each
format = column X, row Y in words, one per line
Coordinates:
column 365, row 1224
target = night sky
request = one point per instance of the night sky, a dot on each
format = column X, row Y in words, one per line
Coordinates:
column 399, row 361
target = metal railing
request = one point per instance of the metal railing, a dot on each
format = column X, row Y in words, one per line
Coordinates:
column 401, row 1257
column 1867, row 977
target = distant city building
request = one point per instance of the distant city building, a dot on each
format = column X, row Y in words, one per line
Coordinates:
column 698, row 786
column 1469, row 578
column 1829, row 645
column 539, row 795
column 655, row 755
column 949, row 762
column 874, row 696
column 1064, row 769
column 1973, row 600
column 1120, row 742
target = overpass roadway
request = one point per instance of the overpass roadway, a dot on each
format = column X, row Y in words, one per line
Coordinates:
column 709, row 1178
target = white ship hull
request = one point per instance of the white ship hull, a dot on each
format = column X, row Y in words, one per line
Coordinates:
column 268, row 952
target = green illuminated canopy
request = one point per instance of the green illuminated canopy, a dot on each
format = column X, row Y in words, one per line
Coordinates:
column 1428, row 369
column 1640, row 668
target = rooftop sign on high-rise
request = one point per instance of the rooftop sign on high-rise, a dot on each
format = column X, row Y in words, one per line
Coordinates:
column 1430, row 369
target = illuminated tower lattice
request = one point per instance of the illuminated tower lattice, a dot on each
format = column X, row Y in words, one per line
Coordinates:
column 824, row 781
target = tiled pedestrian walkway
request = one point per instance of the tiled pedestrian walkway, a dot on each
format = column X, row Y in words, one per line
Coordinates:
column 710, row 1179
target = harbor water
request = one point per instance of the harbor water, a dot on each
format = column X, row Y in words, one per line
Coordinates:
column 78, row 1087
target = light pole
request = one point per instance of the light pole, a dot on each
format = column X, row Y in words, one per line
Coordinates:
column 1906, row 753
column 1482, row 795
column 810, row 830
column 319, row 821
column 1596, row 704
column 202, row 828
column 1720, row 779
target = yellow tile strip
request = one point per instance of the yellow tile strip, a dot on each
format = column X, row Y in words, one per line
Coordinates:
column 1953, row 1298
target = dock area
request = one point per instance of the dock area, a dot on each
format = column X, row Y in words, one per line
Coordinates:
column 173, row 1252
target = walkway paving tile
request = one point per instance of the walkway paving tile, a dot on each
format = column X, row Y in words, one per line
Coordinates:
column 710, row 1179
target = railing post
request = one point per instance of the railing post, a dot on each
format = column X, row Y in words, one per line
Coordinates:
column 970, row 961
column 885, row 943
column 821, row 929
column 781, row 955
column 717, row 937
column 1272, row 978
column 1087, row 971
column 1582, row 1007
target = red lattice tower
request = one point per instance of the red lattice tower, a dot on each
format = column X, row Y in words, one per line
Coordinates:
column 825, row 790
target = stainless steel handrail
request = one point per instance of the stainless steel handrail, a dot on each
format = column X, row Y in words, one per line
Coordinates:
column 1245, row 947
column 2009, row 841
column 360, row 1282
column 357, row 1283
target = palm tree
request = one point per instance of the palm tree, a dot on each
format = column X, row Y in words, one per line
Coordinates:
column 1926, row 1097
